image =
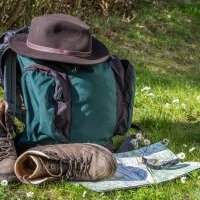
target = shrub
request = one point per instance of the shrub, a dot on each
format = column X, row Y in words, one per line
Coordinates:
column 20, row 12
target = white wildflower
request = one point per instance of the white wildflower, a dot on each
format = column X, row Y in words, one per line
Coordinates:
column 183, row 105
column 139, row 26
column 150, row 94
column 139, row 136
column 146, row 88
column 147, row 142
column 102, row 194
column 4, row 183
column 192, row 149
column 181, row 156
column 183, row 179
column 169, row 16
column 134, row 141
column 135, row 144
column 175, row 101
column 165, row 141
column 127, row 19
column 167, row 105
column 84, row 194
column 185, row 145
column 29, row 194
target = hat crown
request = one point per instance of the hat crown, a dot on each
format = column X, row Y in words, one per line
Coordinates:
column 62, row 38
column 63, row 32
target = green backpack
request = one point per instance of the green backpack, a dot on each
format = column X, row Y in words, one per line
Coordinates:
column 66, row 103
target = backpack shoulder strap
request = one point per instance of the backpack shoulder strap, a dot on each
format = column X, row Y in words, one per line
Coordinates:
column 8, row 60
column 9, row 81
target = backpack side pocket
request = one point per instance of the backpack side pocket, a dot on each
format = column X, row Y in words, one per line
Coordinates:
column 47, row 99
column 125, row 78
column 62, row 96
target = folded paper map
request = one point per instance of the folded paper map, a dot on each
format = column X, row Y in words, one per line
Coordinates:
column 132, row 172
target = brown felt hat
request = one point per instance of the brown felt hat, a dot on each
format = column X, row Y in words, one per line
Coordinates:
column 62, row 38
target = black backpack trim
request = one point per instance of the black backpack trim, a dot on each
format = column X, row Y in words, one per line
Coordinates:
column 8, row 70
column 125, row 77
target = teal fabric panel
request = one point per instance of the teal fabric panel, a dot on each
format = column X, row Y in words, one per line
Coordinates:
column 38, row 89
column 93, row 104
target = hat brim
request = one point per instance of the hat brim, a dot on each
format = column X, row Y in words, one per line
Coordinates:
column 99, row 52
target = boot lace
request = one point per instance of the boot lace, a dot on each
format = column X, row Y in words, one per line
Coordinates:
column 70, row 167
column 78, row 167
column 5, row 144
column 5, row 148
column 54, row 168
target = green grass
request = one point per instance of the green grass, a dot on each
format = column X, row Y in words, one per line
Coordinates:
column 164, row 44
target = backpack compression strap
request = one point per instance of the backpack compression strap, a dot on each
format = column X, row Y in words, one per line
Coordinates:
column 126, row 144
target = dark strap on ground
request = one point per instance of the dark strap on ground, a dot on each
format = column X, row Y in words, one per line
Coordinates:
column 126, row 145
column 137, row 127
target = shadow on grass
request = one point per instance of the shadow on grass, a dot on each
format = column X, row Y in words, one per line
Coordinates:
column 168, row 75
column 178, row 132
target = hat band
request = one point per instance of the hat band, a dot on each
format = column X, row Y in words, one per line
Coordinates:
column 57, row 51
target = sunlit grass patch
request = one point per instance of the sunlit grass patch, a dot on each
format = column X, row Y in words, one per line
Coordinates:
column 163, row 44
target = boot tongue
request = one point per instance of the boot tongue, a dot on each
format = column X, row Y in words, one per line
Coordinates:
column 40, row 171
column 44, row 168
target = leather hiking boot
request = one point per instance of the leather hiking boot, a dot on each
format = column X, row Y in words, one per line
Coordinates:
column 77, row 162
column 8, row 154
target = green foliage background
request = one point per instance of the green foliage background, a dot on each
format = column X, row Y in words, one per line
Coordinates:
column 20, row 12
column 161, row 38
column 15, row 12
